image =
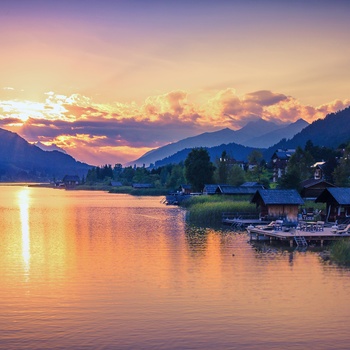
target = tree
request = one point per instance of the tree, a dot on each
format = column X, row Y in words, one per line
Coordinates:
column 199, row 169
column 222, row 168
column 236, row 176
column 341, row 173
column 298, row 169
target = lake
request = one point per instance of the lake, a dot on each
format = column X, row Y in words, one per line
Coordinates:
column 92, row 270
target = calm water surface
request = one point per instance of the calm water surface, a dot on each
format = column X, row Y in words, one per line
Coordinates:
column 92, row 270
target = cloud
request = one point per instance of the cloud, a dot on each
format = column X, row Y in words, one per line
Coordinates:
column 122, row 131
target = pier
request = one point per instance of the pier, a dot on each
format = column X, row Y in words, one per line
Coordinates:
column 295, row 236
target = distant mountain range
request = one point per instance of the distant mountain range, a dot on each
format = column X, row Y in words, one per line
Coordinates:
column 21, row 161
column 52, row 147
column 257, row 134
column 330, row 132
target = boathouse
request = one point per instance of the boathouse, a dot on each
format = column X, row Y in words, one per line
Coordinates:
column 312, row 188
column 278, row 203
column 338, row 203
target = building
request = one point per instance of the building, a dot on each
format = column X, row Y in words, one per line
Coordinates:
column 279, row 162
column 338, row 203
column 312, row 188
column 70, row 181
column 248, row 188
column 278, row 203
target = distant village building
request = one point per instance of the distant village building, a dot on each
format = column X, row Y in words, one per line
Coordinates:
column 185, row 189
column 279, row 162
column 318, row 170
column 278, row 203
column 71, row 181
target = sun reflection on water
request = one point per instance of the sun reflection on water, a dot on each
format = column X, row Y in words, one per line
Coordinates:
column 23, row 200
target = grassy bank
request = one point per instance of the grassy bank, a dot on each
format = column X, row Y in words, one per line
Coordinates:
column 340, row 252
column 207, row 210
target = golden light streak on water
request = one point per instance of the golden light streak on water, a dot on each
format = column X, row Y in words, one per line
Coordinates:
column 23, row 201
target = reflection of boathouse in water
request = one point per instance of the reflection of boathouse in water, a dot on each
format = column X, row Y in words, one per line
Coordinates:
column 338, row 203
column 278, row 203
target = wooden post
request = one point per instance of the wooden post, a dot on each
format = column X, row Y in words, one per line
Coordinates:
column 321, row 242
column 291, row 243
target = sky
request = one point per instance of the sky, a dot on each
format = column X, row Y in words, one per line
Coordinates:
column 108, row 81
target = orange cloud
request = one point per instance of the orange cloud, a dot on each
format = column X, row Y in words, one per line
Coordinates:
column 122, row 131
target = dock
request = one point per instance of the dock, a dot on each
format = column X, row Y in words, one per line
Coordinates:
column 242, row 220
column 295, row 236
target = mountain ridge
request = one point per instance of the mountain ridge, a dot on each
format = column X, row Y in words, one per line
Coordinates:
column 224, row 136
column 22, row 161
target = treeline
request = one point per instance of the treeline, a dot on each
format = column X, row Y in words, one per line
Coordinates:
column 336, row 168
column 170, row 176
column 198, row 170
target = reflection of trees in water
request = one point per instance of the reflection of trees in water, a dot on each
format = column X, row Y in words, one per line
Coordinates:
column 196, row 239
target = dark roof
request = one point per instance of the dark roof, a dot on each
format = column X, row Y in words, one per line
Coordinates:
column 227, row 189
column 270, row 197
column 186, row 187
column 312, row 182
column 283, row 154
column 341, row 195
column 210, row 189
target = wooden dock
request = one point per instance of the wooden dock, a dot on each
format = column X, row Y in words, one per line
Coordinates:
column 295, row 236
column 242, row 220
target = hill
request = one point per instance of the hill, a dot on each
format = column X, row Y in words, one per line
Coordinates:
column 330, row 132
column 238, row 152
column 21, row 161
column 273, row 137
column 253, row 131
column 53, row 147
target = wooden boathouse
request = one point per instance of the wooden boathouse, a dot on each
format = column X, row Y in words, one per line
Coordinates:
column 278, row 203
column 338, row 203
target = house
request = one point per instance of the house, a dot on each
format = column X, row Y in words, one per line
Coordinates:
column 318, row 170
column 210, row 189
column 278, row 203
column 312, row 188
column 70, row 181
column 338, row 203
column 185, row 189
column 279, row 162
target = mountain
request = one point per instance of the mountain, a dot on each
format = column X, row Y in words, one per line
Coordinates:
column 330, row 132
column 50, row 148
column 238, row 152
column 250, row 131
column 21, row 161
column 273, row 137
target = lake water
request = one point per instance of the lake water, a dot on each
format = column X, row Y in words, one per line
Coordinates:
column 92, row 270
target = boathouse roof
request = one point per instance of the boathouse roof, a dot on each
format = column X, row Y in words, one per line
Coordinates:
column 339, row 195
column 313, row 182
column 278, row 197
column 227, row 189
